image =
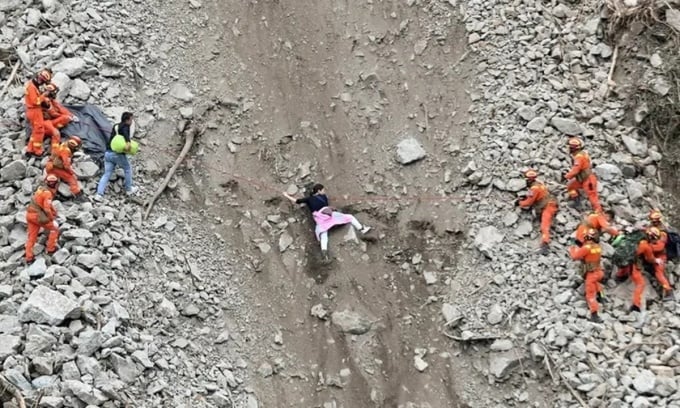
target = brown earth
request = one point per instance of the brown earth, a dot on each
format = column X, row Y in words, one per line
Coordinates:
column 325, row 92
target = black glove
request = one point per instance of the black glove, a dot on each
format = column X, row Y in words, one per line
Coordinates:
column 564, row 175
column 517, row 202
column 45, row 104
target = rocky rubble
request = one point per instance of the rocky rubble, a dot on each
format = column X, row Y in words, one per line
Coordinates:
column 99, row 323
column 539, row 72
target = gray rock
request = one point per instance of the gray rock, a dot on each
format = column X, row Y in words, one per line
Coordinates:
column 191, row 310
column 222, row 399
column 450, row 313
column 10, row 5
column 84, row 392
column 86, row 169
column 181, row 92
column 495, row 315
column 167, row 308
column 641, row 402
column 9, row 324
column 673, row 18
column 635, row 189
column 563, row 297
column 578, row 349
column 567, row 126
column 487, row 238
column 410, row 150
column 186, row 112
column 89, row 260
column 501, row 345
column 89, row 342
column 8, row 346
column 62, row 81
column 524, row 228
column 660, row 85
column 501, row 364
column 16, row 377
column 223, row 337
column 537, row 124
column 47, row 306
column 607, row 172
column 527, row 113
column 6, row 291
column 71, row 66
column 51, row 402
column 644, row 382
column 319, row 311
column 420, row 364
column 634, row 146
column 665, row 386
column 142, row 357
column 351, row 322
column 125, row 368
column 285, row 241
column 37, row 269
column 15, row 170
column 77, row 233
column 515, row 185
column 80, row 89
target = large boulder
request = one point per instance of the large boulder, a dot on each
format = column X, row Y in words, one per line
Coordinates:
column 567, row 126
column 15, row 170
column 47, row 306
column 71, row 66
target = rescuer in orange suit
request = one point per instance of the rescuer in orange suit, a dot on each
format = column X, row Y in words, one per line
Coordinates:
column 590, row 254
column 41, row 214
column 34, row 102
column 60, row 164
column 544, row 203
column 581, row 175
column 56, row 115
column 659, row 249
column 645, row 253
column 597, row 221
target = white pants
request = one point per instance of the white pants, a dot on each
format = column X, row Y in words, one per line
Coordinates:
column 323, row 236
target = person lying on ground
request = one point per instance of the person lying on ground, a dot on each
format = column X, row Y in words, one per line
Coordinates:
column 325, row 216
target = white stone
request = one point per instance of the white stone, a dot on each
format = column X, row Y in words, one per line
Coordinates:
column 410, row 150
column 47, row 306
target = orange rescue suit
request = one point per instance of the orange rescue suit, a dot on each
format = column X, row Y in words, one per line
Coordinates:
column 56, row 118
column 583, row 178
column 41, row 214
column 645, row 252
column 544, row 203
column 589, row 255
column 59, row 164
column 33, row 101
column 596, row 221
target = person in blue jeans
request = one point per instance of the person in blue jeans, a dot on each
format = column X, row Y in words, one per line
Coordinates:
column 113, row 159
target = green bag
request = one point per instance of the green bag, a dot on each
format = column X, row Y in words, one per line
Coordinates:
column 625, row 248
column 118, row 144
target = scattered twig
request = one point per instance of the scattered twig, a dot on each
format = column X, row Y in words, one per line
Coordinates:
column 461, row 59
column 189, row 136
column 563, row 381
column 8, row 386
column 10, row 79
column 610, row 81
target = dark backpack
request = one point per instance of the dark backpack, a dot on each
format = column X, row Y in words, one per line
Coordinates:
column 673, row 245
column 624, row 252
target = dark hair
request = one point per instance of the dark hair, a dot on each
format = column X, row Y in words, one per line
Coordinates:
column 126, row 116
column 611, row 213
column 316, row 188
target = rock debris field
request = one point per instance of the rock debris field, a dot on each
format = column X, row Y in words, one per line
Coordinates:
column 141, row 313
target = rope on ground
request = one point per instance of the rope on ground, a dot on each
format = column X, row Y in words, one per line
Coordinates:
column 190, row 133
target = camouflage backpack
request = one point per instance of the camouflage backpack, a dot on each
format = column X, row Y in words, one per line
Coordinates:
column 624, row 250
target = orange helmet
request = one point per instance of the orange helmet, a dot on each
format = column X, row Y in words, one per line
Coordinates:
column 51, row 180
column 591, row 234
column 531, row 174
column 655, row 216
column 45, row 75
column 74, row 142
column 575, row 144
column 653, row 233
